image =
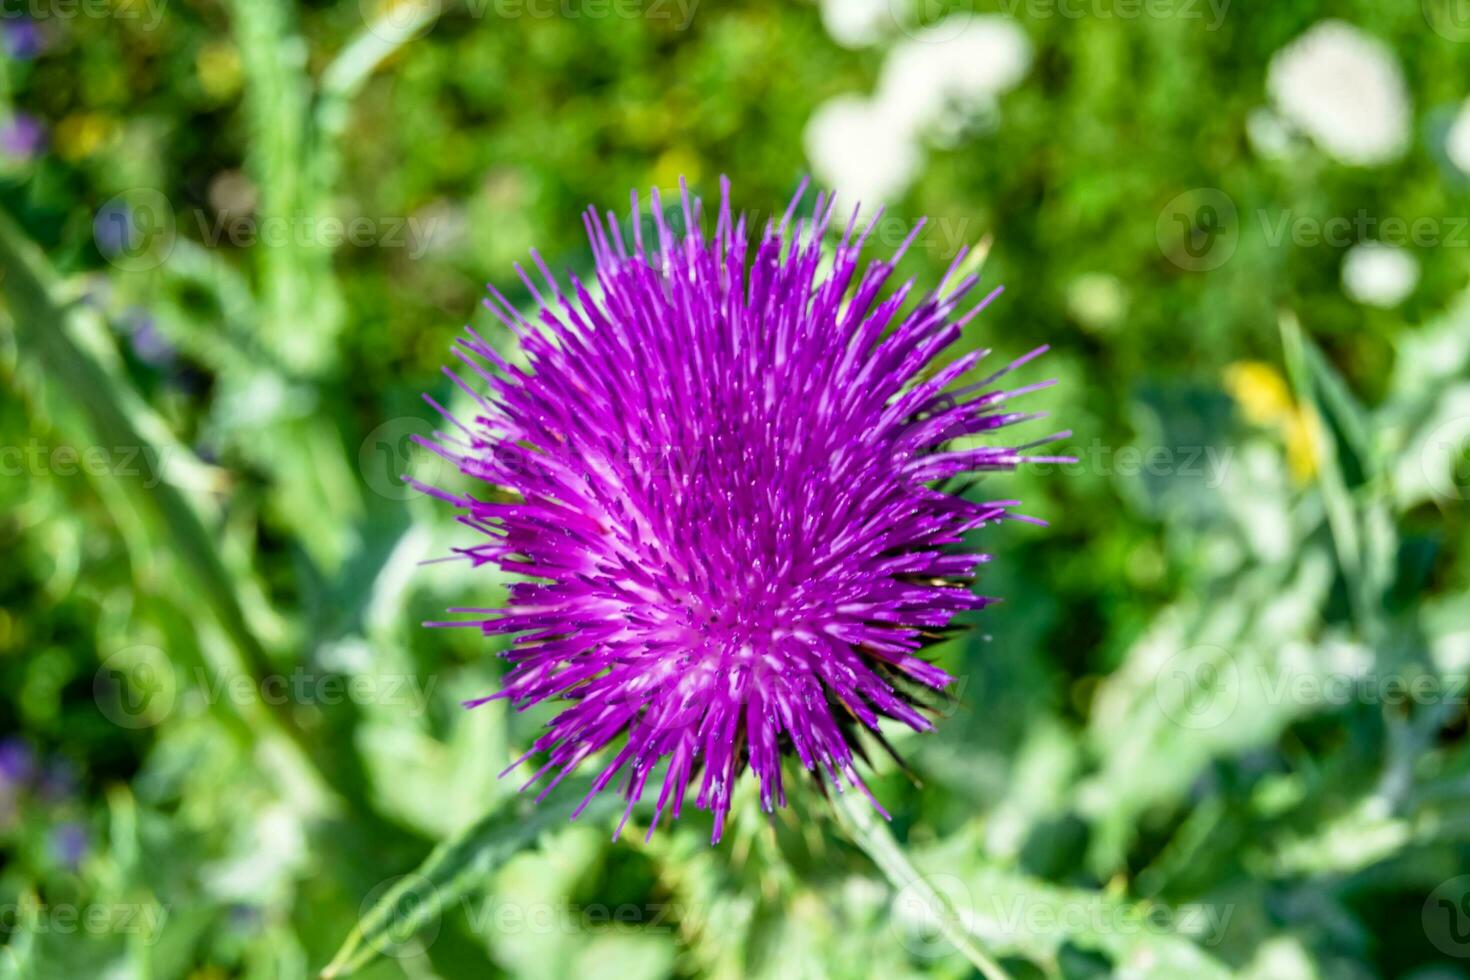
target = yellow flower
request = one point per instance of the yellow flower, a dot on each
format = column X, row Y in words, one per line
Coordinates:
column 218, row 65
column 1265, row 400
column 1260, row 390
column 82, row 134
column 1303, row 434
column 676, row 162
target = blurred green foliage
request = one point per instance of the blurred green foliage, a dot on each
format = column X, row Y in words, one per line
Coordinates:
column 1218, row 727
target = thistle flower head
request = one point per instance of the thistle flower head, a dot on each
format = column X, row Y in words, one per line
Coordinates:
column 723, row 483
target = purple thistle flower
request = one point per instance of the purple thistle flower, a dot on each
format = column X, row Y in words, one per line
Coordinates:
column 723, row 477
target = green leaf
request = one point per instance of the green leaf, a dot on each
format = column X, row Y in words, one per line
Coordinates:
column 455, row 868
column 302, row 304
column 1349, row 476
column 42, row 324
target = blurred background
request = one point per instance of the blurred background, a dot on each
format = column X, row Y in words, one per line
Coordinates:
column 1218, row 726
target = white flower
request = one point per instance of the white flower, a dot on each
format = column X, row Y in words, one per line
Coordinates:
column 933, row 83
column 1457, row 144
column 856, row 23
column 1375, row 274
column 858, row 152
column 1270, row 137
column 1344, row 89
column 955, row 68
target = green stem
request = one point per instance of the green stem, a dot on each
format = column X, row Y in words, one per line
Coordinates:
column 871, row 834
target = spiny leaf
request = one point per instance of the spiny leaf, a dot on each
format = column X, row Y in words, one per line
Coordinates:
column 455, row 868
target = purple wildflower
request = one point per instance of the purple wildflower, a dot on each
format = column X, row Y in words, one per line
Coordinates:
column 17, row 762
column 723, row 476
column 69, row 844
column 22, row 38
column 21, row 137
column 148, row 342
